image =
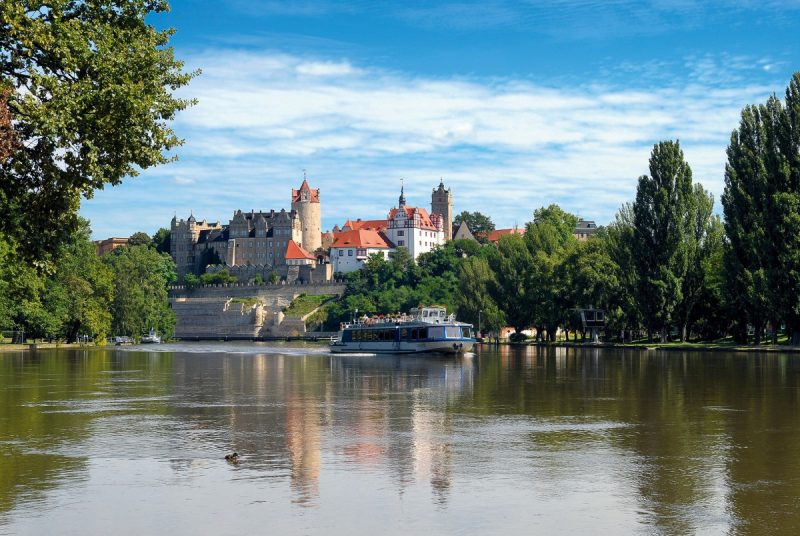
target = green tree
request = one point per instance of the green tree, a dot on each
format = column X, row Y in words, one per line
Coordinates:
column 661, row 227
column 79, row 294
column 161, row 240
column 139, row 239
column 91, row 99
column 476, row 303
column 511, row 263
column 141, row 276
column 479, row 224
column 622, row 311
column 762, row 214
column 702, row 243
column 549, row 237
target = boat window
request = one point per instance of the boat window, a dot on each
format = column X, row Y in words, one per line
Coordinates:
column 466, row 333
column 404, row 334
column 436, row 333
column 453, row 332
column 347, row 336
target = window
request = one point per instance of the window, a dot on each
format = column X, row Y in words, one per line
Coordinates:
column 349, row 252
column 400, row 242
column 400, row 233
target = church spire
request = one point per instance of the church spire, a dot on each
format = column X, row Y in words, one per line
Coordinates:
column 402, row 201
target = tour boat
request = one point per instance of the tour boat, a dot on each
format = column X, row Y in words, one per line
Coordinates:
column 425, row 329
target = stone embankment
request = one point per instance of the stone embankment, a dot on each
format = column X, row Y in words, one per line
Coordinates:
column 241, row 311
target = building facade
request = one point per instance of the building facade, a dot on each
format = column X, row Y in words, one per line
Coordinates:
column 251, row 239
column 352, row 249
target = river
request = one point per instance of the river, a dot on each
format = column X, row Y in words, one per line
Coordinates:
column 508, row 440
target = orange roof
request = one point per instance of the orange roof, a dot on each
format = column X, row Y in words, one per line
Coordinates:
column 363, row 238
column 293, row 251
column 495, row 235
column 313, row 194
column 424, row 220
column 376, row 225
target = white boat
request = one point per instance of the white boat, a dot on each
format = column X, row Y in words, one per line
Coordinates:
column 151, row 338
column 427, row 329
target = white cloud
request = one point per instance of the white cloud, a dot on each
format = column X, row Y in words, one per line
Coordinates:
column 505, row 146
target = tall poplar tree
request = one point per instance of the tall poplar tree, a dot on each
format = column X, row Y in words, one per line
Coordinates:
column 762, row 213
column 661, row 226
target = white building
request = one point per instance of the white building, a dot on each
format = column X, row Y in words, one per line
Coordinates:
column 351, row 249
column 414, row 229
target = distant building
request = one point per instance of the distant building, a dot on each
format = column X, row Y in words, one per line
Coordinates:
column 352, row 248
column 584, row 229
column 109, row 244
column 463, row 232
column 410, row 227
column 495, row 235
column 253, row 242
column 413, row 229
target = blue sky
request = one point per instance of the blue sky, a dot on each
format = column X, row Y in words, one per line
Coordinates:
column 515, row 105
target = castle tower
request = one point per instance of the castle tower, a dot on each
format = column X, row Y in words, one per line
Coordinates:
column 305, row 202
column 442, row 204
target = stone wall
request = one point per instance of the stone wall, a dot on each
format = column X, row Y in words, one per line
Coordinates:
column 211, row 312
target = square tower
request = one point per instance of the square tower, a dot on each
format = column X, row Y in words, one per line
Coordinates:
column 442, row 204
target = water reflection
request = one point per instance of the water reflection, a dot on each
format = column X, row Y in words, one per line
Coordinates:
column 567, row 440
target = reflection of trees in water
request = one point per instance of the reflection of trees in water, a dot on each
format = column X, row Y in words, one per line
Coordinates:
column 711, row 436
column 51, row 399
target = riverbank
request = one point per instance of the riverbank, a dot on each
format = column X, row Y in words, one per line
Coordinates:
column 670, row 346
column 42, row 345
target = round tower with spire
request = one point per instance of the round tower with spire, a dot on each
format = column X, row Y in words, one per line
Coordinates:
column 442, row 204
column 305, row 201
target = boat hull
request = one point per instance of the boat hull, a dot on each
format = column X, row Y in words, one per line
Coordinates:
column 448, row 346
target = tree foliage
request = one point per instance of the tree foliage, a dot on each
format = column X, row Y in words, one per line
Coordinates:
column 141, row 277
column 762, row 213
column 661, row 228
column 479, row 224
column 90, row 101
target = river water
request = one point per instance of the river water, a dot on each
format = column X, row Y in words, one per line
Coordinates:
column 506, row 441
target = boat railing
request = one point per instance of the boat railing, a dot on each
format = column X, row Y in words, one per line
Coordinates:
column 395, row 320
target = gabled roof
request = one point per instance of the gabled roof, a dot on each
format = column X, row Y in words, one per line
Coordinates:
column 293, row 251
column 495, row 235
column 363, row 238
column 313, row 193
column 413, row 213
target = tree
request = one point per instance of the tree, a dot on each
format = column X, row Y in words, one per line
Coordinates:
column 79, row 294
column 91, row 98
column 661, row 226
column 139, row 239
column 622, row 310
column 479, row 224
column 161, row 240
column 703, row 240
column 762, row 213
column 511, row 263
column 476, row 303
column 141, row 276
column 8, row 137
column 549, row 237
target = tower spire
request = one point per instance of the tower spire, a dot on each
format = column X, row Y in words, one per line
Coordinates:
column 402, row 201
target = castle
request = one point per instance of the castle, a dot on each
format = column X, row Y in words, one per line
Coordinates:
column 292, row 244
column 253, row 242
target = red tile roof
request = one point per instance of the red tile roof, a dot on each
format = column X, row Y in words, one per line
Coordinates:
column 293, row 251
column 495, row 235
column 363, row 238
column 313, row 194
column 376, row 225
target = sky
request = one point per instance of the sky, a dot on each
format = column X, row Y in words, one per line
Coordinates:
column 514, row 105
